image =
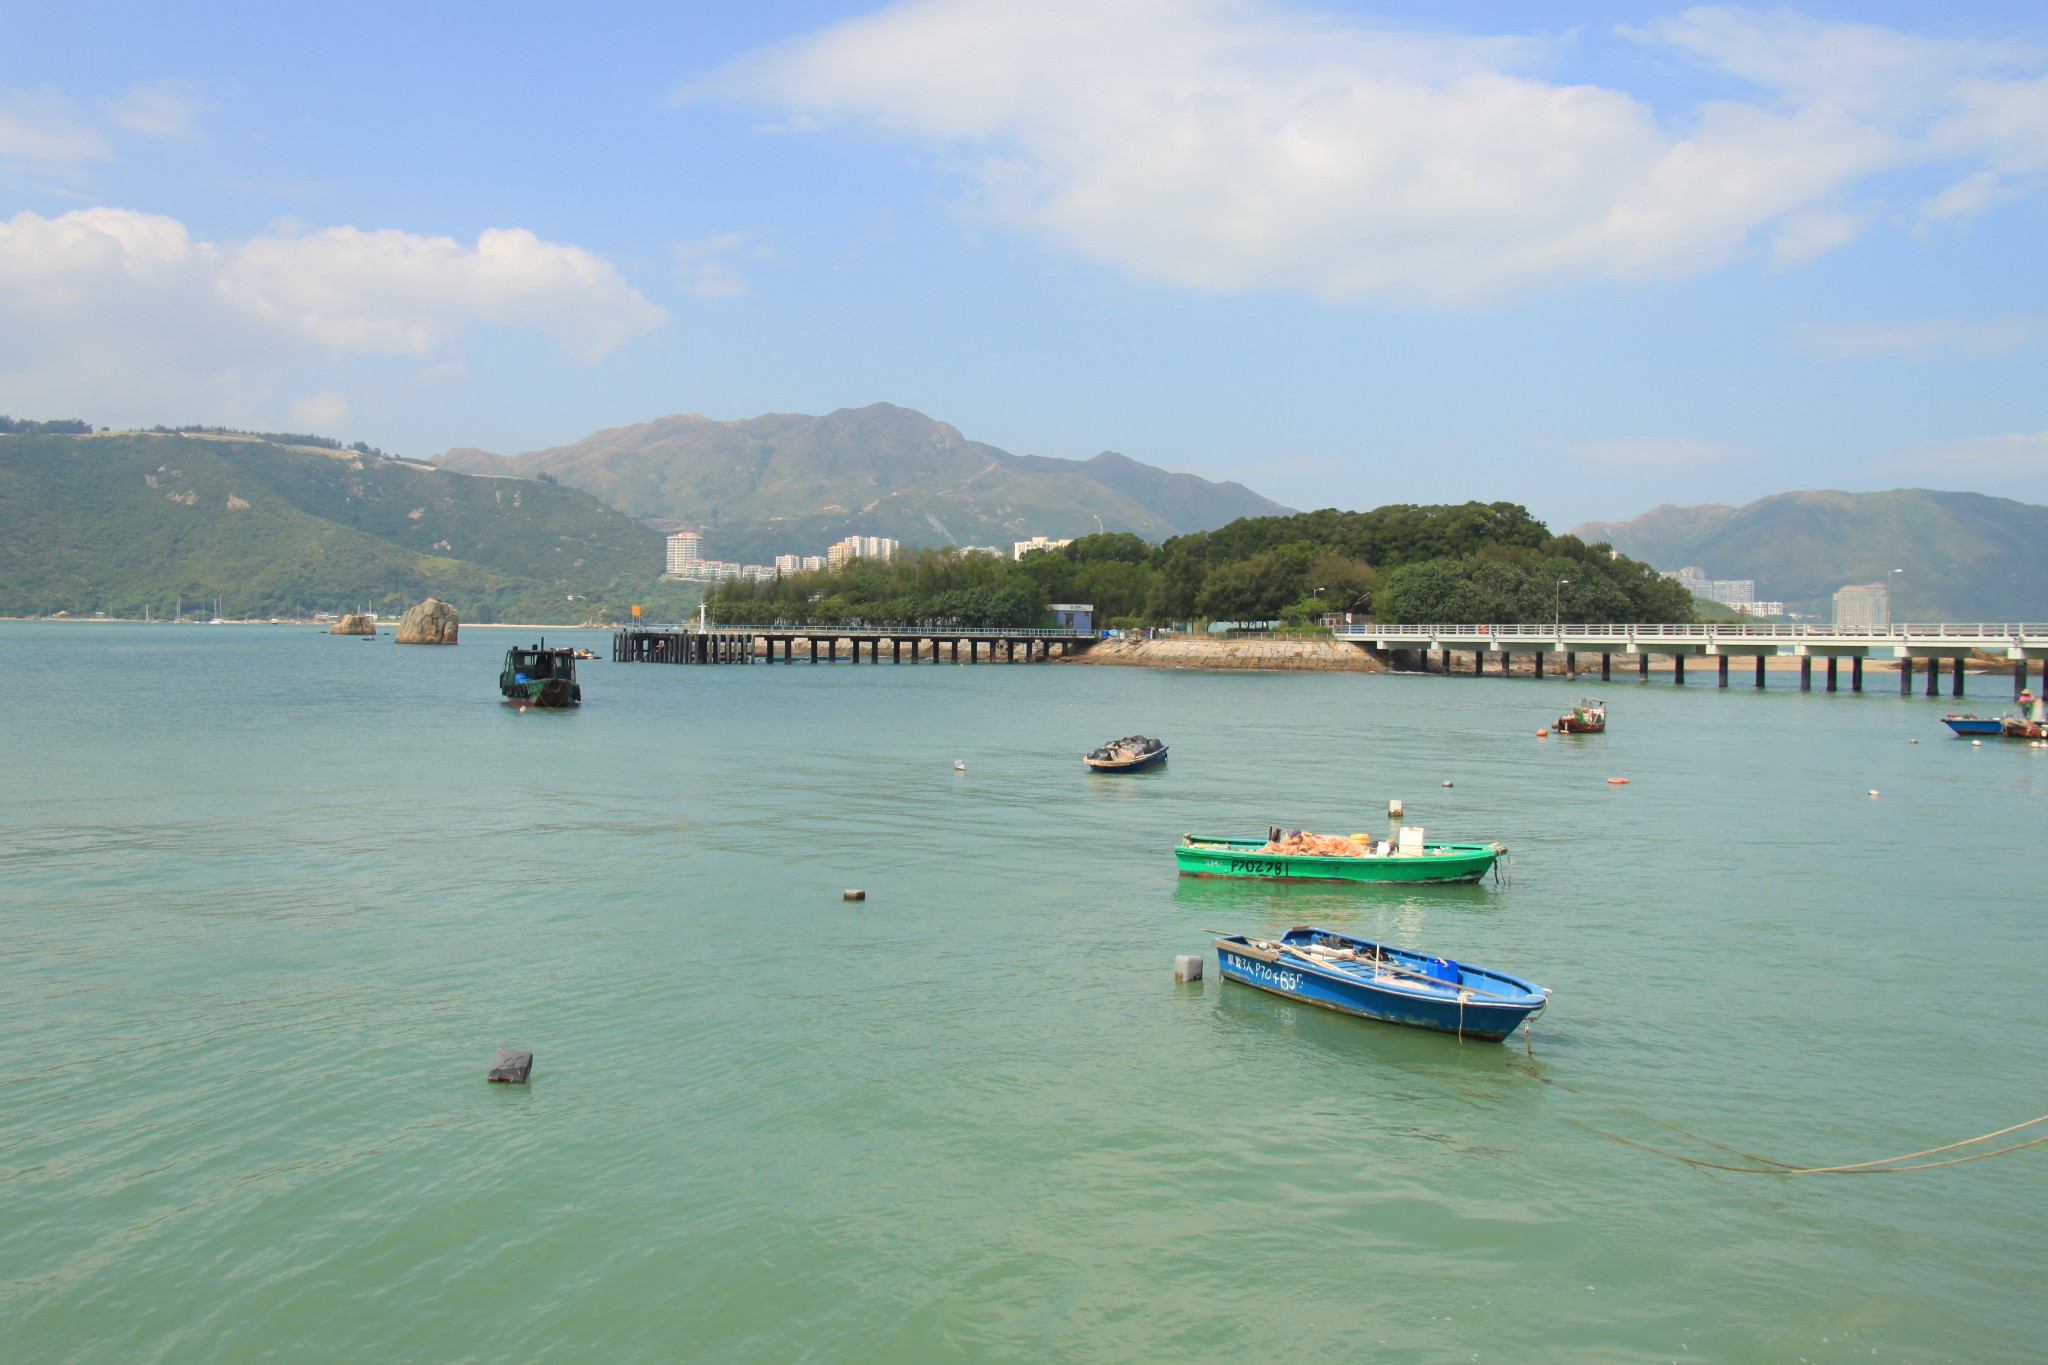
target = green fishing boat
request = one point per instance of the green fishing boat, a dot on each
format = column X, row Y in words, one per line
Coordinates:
column 1410, row 862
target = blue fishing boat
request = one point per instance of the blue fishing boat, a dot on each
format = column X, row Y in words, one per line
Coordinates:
column 1377, row 981
column 1972, row 724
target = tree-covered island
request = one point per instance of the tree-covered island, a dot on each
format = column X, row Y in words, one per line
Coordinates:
column 1465, row 562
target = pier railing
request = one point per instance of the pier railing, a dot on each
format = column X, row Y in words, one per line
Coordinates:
column 1962, row 632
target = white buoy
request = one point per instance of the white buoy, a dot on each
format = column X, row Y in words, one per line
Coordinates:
column 1873, row 791
column 1447, row 784
column 1394, row 809
column 1187, row 967
column 853, row 895
column 959, row 765
column 1976, row 744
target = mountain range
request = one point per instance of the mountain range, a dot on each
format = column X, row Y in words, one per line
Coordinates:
column 1964, row 556
column 120, row 522
column 793, row 483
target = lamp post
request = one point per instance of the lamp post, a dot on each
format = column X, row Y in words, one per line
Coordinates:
column 1557, row 604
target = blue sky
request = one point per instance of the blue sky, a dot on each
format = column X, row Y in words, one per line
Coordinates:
column 1590, row 258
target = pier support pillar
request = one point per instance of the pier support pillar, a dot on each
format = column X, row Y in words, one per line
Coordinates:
column 1759, row 670
column 1539, row 663
column 1833, row 664
column 1934, row 677
column 832, row 650
column 1678, row 669
column 1957, row 690
column 2019, row 677
column 1446, row 660
column 1724, row 670
column 1571, row 664
column 1906, row 676
column 1642, row 668
column 895, row 650
column 1606, row 663
column 1856, row 674
column 814, row 649
column 1806, row 673
column 1478, row 663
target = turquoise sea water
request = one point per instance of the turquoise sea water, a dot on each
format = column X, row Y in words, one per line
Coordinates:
column 269, row 900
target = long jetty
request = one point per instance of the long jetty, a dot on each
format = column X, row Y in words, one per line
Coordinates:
column 1931, row 645
column 744, row 644
column 1925, row 647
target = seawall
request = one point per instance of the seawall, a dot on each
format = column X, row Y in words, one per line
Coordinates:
column 1181, row 651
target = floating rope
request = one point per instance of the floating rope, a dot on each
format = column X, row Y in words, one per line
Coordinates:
column 1767, row 1166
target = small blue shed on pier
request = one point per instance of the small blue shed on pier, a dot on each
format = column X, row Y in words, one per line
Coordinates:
column 1078, row 617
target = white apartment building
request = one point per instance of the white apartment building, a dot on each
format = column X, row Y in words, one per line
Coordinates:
column 1025, row 547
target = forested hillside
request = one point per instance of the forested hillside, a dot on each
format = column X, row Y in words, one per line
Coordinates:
column 1960, row 556
column 123, row 522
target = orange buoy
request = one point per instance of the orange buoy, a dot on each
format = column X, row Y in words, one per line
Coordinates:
column 1541, row 733
column 1617, row 782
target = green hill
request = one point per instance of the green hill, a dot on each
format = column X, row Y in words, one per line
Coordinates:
column 1966, row 556
column 117, row 522
column 789, row 483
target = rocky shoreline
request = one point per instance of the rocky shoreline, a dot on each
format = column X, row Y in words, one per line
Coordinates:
column 1181, row 651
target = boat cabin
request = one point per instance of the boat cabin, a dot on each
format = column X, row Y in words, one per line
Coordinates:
column 540, row 676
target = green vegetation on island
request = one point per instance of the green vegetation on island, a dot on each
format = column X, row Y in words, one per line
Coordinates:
column 1469, row 562
column 125, row 523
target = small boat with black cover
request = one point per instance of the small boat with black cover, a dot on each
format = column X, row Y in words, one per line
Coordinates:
column 1132, row 753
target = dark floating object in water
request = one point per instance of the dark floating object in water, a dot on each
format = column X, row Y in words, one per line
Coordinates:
column 513, row 1067
column 853, row 895
column 1132, row 753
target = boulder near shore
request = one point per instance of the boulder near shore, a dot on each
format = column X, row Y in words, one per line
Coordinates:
column 432, row 622
column 355, row 623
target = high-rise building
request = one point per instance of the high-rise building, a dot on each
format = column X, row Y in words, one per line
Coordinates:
column 1863, row 606
column 1024, row 547
column 862, row 547
column 812, row 563
column 685, row 553
column 788, row 564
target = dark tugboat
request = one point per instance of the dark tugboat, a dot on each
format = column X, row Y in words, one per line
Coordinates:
column 540, row 677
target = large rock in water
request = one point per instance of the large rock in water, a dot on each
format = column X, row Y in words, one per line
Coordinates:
column 432, row 622
column 356, row 623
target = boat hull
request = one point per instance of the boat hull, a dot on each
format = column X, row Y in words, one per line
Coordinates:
column 1241, row 858
column 1971, row 725
column 1439, row 1005
column 1135, row 765
column 1569, row 726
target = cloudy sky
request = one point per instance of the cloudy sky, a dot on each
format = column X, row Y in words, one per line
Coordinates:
column 1589, row 257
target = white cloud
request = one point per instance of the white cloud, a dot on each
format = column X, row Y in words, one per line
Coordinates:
column 165, row 109
column 1851, row 340
column 1239, row 145
column 1968, row 197
column 39, row 128
column 706, row 268
column 107, row 299
column 322, row 411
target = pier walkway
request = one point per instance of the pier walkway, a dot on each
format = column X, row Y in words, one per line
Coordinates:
column 2017, row 643
column 747, row 644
